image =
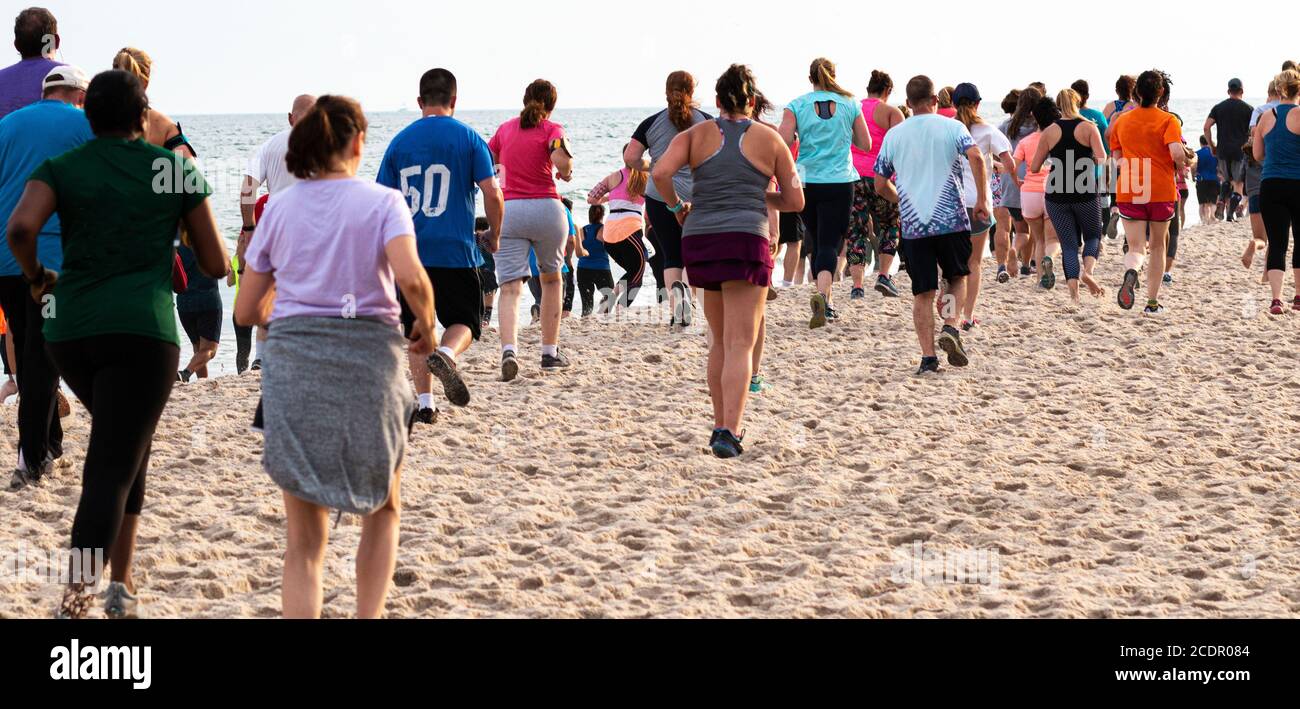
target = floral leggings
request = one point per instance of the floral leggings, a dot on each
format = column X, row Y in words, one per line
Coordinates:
column 870, row 208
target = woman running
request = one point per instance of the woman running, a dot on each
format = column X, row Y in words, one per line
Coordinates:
column 1124, row 86
column 114, row 341
column 1033, row 194
column 1004, row 225
column 654, row 135
column 362, row 243
column 874, row 223
column 727, row 244
column 159, row 129
column 623, row 193
column 1147, row 143
column 1020, row 125
column 828, row 123
column 1277, row 146
column 532, row 151
column 993, row 145
column 1073, row 150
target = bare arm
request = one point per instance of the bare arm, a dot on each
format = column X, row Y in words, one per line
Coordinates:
column 563, row 163
column 886, row 189
column 209, row 249
column 495, row 206
column 600, row 193
column 1178, row 152
column 34, row 209
column 413, row 281
column 677, row 157
column 861, row 136
column 634, row 156
column 256, row 299
column 1209, row 137
column 1045, row 143
column 981, row 173
column 789, row 128
column 790, row 198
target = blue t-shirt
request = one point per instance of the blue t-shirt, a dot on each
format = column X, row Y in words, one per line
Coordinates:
column 599, row 259
column 29, row 137
column 825, row 140
column 925, row 154
column 437, row 163
column 202, row 294
column 1207, row 165
column 1098, row 119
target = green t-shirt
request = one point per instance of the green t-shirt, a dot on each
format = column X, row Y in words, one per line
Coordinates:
column 120, row 203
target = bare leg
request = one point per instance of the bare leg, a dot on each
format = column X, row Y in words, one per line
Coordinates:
column 508, row 312
column 923, row 320
column 552, row 303
column 301, row 592
column 204, row 353
column 792, row 261
column 743, row 306
column 1156, row 266
column 377, row 554
column 717, row 356
column 978, row 245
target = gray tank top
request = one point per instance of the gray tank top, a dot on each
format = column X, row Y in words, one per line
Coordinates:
column 730, row 193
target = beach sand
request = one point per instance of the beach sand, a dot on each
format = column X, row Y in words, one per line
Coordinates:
column 1094, row 463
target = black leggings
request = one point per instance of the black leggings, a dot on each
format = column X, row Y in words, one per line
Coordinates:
column 826, row 213
column 667, row 231
column 125, row 381
column 1279, row 205
column 40, row 433
column 591, row 281
column 4, row 355
column 629, row 254
column 243, row 345
column 657, row 264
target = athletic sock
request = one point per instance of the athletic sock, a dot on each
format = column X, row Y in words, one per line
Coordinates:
column 550, row 350
column 426, row 401
column 451, row 354
column 509, row 348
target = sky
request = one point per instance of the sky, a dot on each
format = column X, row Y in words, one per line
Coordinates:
column 244, row 56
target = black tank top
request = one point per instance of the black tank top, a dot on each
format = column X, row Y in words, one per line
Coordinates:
column 1074, row 172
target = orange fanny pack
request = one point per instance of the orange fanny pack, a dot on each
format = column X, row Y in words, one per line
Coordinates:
column 621, row 229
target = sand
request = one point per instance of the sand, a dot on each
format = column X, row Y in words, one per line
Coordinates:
column 1090, row 463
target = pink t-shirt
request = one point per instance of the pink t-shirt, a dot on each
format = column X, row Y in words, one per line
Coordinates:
column 324, row 240
column 524, row 155
column 1034, row 181
column 866, row 162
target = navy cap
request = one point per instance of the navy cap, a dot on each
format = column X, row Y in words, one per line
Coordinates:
column 1234, row 85
column 966, row 92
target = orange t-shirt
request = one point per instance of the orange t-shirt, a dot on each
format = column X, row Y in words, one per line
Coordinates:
column 4, row 326
column 1142, row 137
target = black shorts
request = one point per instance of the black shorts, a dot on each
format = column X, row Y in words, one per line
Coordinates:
column 926, row 256
column 1017, row 214
column 205, row 325
column 667, row 231
column 792, row 231
column 488, row 278
column 1207, row 192
column 457, row 300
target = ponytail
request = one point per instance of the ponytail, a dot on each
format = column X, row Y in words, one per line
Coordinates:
column 134, row 61
column 967, row 114
column 539, row 101
column 735, row 89
column 319, row 138
column 680, row 88
column 880, row 83
column 636, row 183
column 1288, row 84
column 822, row 73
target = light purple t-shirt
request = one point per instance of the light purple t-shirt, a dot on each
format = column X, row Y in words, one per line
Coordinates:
column 20, row 84
column 324, row 240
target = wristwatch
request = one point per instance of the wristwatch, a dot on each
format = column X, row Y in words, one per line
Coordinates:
column 249, row 228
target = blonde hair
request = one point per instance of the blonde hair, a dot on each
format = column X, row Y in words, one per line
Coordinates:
column 967, row 114
column 1288, row 84
column 822, row 73
column 1069, row 101
column 636, row 183
column 134, row 61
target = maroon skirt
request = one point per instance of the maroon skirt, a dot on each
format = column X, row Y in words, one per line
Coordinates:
column 714, row 259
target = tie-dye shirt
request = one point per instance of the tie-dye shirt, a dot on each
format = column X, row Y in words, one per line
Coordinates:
column 924, row 155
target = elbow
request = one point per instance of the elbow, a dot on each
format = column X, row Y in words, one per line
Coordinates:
column 796, row 201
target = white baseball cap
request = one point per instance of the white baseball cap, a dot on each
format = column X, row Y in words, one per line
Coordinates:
column 69, row 76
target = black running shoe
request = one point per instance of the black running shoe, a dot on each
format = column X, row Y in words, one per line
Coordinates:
column 184, row 376
column 554, row 363
column 832, row 315
column 726, row 446
column 257, row 365
column 950, row 342
column 509, row 366
column 258, row 422
column 1128, row 291
column 929, row 365
column 885, row 286
column 442, row 367
column 427, row 417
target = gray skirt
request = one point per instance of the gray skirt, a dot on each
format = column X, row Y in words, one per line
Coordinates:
column 337, row 410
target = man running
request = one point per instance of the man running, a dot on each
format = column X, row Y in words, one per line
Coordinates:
column 36, row 37
column 439, row 165
column 1232, row 116
column 29, row 137
column 923, row 153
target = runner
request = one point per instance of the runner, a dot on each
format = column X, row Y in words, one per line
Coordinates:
column 1072, row 149
column 923, row 154
column 624, row 192
column 200, row 312
column 487, row 273
column 1123, row 96
column 1207, row 185
column 1254, row 172
column 1147, row 143
column 828, row 122
column 654, row 135
column 594, row 275
column 363, row 247
column 114, row 340
column 1005, row 222
column 1098, row 119
column 727, row 243
column 532, row 151
column 1016, row 128
column 159, row 129
column 1033, row 194
column 29, row 137
column 993, row 144
column 439, row 165
column 1231, row 117
column 874, row 223
column 1277, row 146
column 36, row 37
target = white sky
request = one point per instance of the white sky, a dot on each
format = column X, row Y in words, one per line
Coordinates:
column 254, row 56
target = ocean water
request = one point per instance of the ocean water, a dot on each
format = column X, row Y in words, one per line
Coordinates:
column 225, row 142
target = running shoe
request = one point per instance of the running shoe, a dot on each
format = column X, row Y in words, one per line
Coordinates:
column 446, row 371
column 772, row 294
column 184, row 376
column 968, row 325
column 819, row 308
column 487, row 317
column 1153, row 310
column 858, row 294
column 1128, row 291
column 1168, row 279
column 1276, row 308
column 1048, row 281
column 1024, row 272
column 1003, row 276
column 950, row 343
column 428, row 417
column 1220, row 210
column 929, row 365
column 257, row 365
column 509, row 366
column 119, row 604
column 554, row 363
column 259, row 422
column 832, row 315
column 726, row 445
column 19, row 479
column 885, row 286
column 1295, row 304
column 536, row 312
column 1112, row 225
column 685, row 307
column 758, row 385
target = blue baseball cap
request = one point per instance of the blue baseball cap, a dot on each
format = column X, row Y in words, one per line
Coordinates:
column 966, row 92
